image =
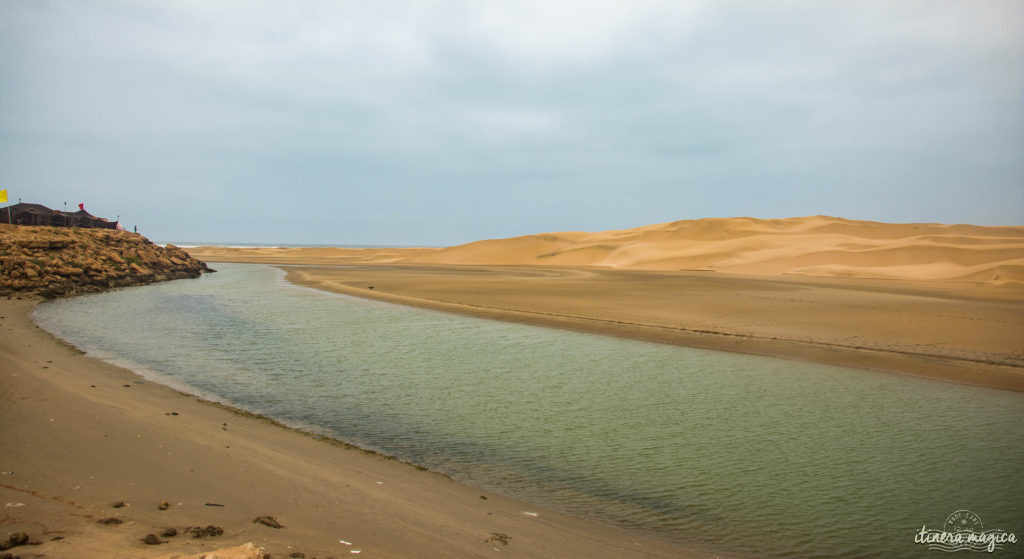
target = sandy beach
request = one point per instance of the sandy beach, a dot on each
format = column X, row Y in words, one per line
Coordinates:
column 81, row 435
column 567, row 280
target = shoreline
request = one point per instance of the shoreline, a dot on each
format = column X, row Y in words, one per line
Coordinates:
column 68, row 420
column 81, row 434
column 499, row 293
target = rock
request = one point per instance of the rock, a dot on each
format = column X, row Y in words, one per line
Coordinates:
column 111, row 521
column 499, row 537
column 152, row 539
column 245, row 551
column 169, row 533
column 164, row 505
column 16, row 539
column 69, row 271
column 140, row 270
column 208, row 532
column 56, row 261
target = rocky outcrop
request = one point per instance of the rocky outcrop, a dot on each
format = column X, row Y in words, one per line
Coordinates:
column 245, row 551
column 57, row 261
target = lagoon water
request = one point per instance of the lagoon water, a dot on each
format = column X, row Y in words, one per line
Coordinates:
column 735, row 455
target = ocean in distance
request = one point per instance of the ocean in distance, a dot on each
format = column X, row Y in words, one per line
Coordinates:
column 737, row 455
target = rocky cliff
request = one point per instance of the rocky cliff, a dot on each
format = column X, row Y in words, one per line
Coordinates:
column 59, row 261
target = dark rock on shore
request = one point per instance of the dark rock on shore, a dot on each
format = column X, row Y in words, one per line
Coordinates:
column 16, row 539
column 268, row 521
column 152, row 539
column 59, row 261
column 208, row 532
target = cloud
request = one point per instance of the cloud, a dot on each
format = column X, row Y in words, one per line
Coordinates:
column 460, row 113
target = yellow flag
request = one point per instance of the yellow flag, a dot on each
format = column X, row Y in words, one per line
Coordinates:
column 3, row 195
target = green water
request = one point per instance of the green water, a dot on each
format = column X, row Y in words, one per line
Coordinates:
column 736, row 455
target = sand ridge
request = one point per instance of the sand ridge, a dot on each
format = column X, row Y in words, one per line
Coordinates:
column 814, row 246
column 806, row 246
column 963, row 332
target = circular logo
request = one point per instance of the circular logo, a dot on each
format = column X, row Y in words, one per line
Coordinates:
column 963, row 521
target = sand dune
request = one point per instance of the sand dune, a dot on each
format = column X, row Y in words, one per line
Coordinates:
column 809, row 246
column 816, row 246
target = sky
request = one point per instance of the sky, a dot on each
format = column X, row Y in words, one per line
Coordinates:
column 439, row 123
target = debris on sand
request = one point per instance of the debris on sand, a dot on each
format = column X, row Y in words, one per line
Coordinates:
column 16, row 539
column 268, row 521
column 245, row 551
column 208, row 532
column 152, row 539
column 499, row 537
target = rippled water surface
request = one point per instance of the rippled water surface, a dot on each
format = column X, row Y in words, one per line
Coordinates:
column 737, row 455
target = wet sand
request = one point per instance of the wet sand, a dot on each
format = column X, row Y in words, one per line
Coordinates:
column 79, row 435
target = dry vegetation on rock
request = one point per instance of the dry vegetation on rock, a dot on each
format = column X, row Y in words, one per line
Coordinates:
column 60, row 261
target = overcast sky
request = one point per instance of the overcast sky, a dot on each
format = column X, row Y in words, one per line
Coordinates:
column 436, row 123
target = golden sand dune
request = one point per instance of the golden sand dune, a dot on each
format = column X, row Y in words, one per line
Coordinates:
column 816, row 246
column 809, row 246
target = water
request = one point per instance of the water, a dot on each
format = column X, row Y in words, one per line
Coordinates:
column 737, row 455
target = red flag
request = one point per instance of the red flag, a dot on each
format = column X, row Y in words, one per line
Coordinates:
column 81, row 206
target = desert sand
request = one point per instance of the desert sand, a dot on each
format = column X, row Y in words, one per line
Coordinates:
column 806, row 246
column 79, row 435
column 938, row 301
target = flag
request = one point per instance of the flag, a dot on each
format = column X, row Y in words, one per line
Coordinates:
column 81, row 207
column 3, row 195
